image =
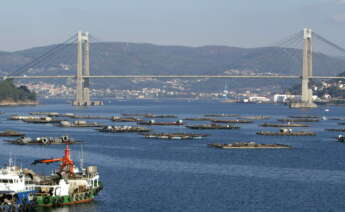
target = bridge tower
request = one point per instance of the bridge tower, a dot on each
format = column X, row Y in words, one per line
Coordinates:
column 307, row 72
column 82, row 95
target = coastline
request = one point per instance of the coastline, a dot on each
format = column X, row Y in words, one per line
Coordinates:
column 18, row 103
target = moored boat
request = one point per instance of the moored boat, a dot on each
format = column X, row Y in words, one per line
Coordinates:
column 68, row 185
column 17, row 189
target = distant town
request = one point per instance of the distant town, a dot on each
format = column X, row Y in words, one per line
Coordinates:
column 245, row 95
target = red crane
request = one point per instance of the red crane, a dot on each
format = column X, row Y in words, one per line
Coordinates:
column 67, row 163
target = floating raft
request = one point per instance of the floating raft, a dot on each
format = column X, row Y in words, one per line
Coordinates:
column 256, row 117
column 153, row 122
column 43, row 140
column 238, row 121
column 221, row 115
column 123, row 129
column 79, row 123
column 335, row 130
column 11, row 133
column 127, row 119
column 250, row 145
column 198, row 119
column 159, row 116
column 286, row 133
column 175, row 136
column 212, row 127
column 19, row 117
column 44, row 113
column 284, row 125
column 90, row 117
column 305, row 117
column 42, row 120
column 336, row 119
column 299, row 120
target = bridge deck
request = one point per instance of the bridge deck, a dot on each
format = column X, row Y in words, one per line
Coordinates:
column 176, row 76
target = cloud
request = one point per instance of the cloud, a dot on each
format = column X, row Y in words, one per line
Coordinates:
column 341, row 1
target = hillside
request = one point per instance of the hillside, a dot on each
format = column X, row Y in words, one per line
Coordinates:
column 135, row 59
column 10, row 94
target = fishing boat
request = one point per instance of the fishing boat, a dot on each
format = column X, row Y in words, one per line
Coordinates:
column 68, row 185
column 16, row 189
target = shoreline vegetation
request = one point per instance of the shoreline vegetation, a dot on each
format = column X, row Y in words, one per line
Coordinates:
column 10, row 95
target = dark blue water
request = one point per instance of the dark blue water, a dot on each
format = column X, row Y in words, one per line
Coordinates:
column 161, row 175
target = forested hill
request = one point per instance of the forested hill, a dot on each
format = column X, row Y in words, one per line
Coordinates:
column 11, row 93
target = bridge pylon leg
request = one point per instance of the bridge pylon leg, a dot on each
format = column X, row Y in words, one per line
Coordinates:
column 82, row 94
column 307, row 71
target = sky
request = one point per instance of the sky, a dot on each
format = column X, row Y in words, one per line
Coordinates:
column 242, row 23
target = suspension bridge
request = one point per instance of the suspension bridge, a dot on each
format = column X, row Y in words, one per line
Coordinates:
column 82, row 76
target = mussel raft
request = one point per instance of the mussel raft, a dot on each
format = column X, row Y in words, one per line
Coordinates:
column 79, row 123
column 249, row 145
column 335, row 130
column 256, row 117
column 198, row 119
column 175, row 136
column 221, row 115
column 212, row 127
column 159, row 116
column 11, row 133
column 284, row 125
column 42, row 120
column 299, row 120
column 153, row 122
column 43, row 140
column 238, row 121
column 123, row 129
column 305, row 117
column 286, row 132
column 127, row 119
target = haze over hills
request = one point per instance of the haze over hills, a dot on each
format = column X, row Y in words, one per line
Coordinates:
column 116, row 58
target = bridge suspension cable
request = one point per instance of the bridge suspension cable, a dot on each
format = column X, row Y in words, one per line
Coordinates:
column 330, row 44
column 44, row 58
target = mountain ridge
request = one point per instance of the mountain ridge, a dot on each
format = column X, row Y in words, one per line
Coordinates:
column 124, row 58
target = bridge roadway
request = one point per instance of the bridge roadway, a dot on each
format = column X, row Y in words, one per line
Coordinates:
column 175, row 76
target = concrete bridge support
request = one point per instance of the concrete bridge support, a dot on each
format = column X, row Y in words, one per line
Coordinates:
column 82, row 95
column 307, row 93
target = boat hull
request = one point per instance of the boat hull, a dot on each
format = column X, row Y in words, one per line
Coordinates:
column 76, row 198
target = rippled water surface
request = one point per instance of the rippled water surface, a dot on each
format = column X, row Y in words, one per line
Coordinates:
column 162, row 175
